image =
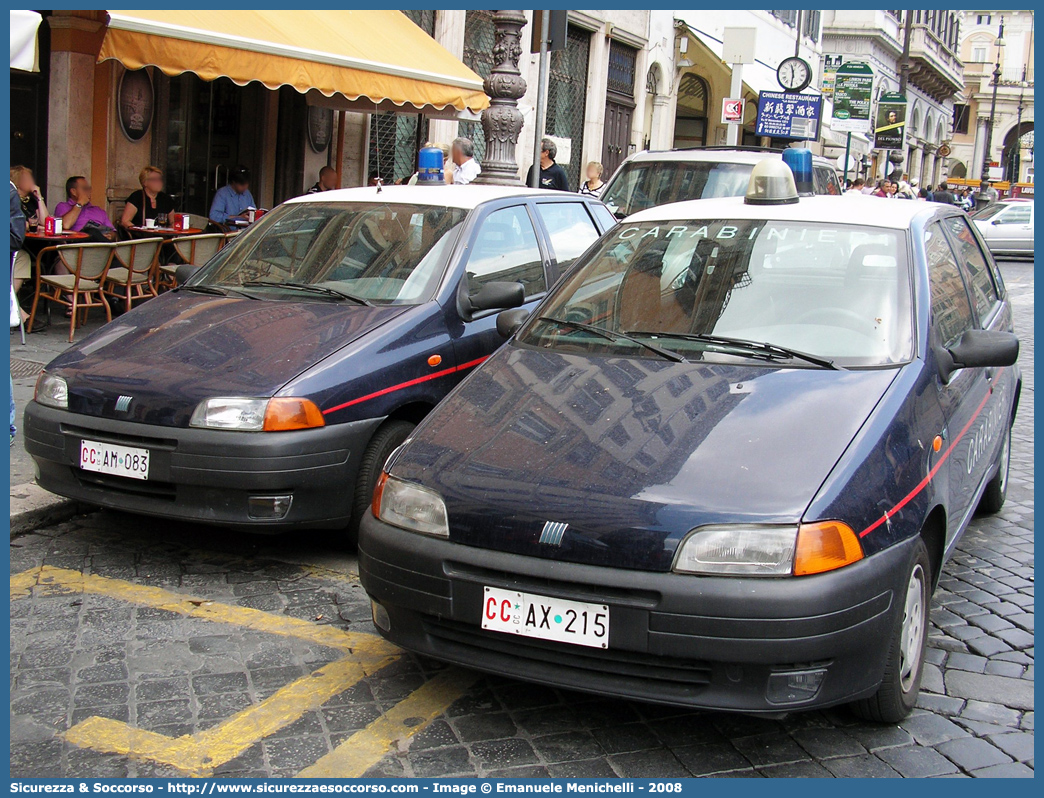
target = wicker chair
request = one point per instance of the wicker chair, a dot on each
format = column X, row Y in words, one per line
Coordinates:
column 196, row 250
column 132, row 275
column 88, row 266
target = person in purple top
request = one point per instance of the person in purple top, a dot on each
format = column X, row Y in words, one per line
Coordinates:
column 77, row 211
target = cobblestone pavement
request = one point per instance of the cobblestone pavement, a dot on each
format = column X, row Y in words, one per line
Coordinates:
column 144, row 648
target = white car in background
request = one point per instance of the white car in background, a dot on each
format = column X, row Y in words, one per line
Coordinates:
column 1007, row 226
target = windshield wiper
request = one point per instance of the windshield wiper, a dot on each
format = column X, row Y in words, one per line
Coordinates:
column 753, row 348
column 203, row 289
column 333, row 293
column 612, row 335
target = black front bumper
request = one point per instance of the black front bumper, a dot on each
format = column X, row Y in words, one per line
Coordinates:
column 711, row 642
column 204, row 475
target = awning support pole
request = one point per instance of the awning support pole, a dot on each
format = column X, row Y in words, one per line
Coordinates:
column 340, row 147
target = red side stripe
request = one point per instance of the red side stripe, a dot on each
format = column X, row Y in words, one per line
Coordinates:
column 402, row 385
column 931, row 474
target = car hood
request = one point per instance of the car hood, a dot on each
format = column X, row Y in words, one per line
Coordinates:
column 173, row 351
column 631, row 453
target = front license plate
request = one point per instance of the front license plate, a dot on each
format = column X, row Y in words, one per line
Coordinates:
column 546, row 618
column 108, row 458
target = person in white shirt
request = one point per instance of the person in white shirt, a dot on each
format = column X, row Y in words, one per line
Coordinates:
column 856, row 187
column 467, row 168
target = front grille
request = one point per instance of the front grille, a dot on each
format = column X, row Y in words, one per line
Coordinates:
column 165, row 491
column 575, row 591
column 452, row 637
column 120, row 439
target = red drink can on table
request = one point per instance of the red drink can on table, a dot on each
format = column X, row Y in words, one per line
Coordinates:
column 52, row 226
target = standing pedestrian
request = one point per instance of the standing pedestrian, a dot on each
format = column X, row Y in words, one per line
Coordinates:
column 944, row 195
column 467, row 168
column 17, row 238
column 552, row 175
column 593, row 186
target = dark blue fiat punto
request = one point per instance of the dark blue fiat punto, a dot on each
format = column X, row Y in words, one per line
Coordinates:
column 268, row 390
column 721, row 465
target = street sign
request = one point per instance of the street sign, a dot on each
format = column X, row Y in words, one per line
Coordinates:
column 789, row 116
column 732, row 110
column 831, row 62
column 889, row 132
column 556, row 39
column 853, row 89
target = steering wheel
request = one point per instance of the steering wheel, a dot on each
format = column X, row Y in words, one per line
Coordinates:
column 579, row 314
column 838, row 317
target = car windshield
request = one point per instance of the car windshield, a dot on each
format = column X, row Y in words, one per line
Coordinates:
column 372, row 252
column 989, row 211
column 641, row 185
column 838, row 293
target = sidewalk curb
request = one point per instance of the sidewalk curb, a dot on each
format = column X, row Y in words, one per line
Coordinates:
column 33, row 507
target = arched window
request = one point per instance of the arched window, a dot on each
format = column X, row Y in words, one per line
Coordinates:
column 690, row 123
column 652, row 80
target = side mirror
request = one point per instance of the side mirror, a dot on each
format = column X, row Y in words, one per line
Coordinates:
column 996, row 221
column 509, row 321
column 493, row 296
column 979, row 349
column 183, row 272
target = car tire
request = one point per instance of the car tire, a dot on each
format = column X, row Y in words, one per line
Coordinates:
column 997, row 488
column 901, row 684
column 388, row 437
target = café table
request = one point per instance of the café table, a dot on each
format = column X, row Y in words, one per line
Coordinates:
column 168, row 234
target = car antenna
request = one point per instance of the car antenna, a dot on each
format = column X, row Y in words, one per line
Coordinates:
column 380, row 184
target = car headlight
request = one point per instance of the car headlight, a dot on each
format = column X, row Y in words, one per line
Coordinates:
column 768, row 550
column 52, row 391
column 738, row 550
column 253, row 415
column 230, row 412
column 409, row 506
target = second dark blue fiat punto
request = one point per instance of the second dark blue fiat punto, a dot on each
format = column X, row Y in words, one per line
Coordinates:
column 267, row 392
column 721, row 465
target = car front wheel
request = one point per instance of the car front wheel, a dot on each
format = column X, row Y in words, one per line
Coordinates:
column 897, row 694
column 997, row 488
column 385, row 440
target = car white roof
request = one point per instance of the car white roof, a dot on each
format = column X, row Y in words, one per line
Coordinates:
column 724, row 155
column 828, row 209
column 465, row 197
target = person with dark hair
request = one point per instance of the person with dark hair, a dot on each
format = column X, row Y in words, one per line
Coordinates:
column 552, row 175
column 231, row 202
column 944, row 195
column 327, row 180
column 79, row 214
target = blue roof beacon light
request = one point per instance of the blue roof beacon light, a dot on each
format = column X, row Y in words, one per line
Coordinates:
column 429, row 167
column 799, row 159
column 771, row 183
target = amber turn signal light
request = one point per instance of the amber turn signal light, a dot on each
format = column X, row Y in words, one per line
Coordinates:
column 824, row 546
column 288, row 412
column 378, row 491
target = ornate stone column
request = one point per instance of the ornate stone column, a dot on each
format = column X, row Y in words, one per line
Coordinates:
column 502, row 121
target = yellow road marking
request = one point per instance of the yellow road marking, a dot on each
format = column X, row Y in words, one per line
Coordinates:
column 367, row 747
column 63, row 580
column 199, row 754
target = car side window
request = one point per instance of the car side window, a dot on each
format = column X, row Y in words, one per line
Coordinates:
column 570, row 227
column 505, row 249
column 1015, row 214
column 975, row 265
column 604, row 215
column 951, row 310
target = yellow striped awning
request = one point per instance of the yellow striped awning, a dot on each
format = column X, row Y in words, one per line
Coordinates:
column 381, row 56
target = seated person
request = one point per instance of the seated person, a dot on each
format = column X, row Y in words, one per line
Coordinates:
column 148, row 203
column 78, row 212
column 232, row 201
column 327, row 181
